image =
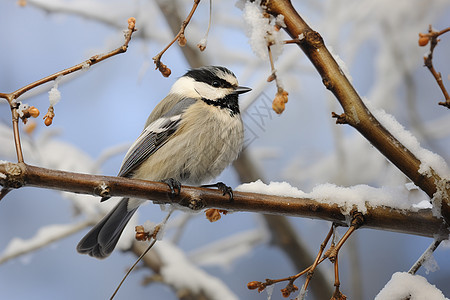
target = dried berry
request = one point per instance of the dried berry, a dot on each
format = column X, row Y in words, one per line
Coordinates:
column 213, row 214
column 253, row 285
column 281, row 98
column 423, row 40
column 34, row 112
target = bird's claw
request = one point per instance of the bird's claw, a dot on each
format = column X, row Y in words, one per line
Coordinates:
column 225, row 189
column 173, row 185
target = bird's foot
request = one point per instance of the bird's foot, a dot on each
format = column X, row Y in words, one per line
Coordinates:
column 225, row 189
column 173, row 185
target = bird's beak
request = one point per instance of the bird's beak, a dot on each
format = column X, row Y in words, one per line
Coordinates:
column 242, row 89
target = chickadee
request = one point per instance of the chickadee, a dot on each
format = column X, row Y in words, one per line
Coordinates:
column 191, row 136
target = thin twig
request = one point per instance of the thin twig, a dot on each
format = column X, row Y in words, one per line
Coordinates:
column 87, row 63
column 163, row 223
column 4, row 192
column 202, row 44
column 356, row 222
column 281, row 97
column 12, row 97
column 16, row 134
column 424, row 256
column 157, row 59
column 132, row 267
column 319, row 255
column 432, row 36
column 337, row 293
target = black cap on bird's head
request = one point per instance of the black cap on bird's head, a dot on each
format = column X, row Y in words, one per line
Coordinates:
column 217, row 77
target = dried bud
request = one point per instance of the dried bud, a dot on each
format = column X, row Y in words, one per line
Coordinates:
column 253, row 285
column 201, row 47
column 48, row 121
column 285, row 293
column 213, row 214
column 141, row 235
column 281, row 98
column 202, row 44
column 48, row 118
column 34, row 112
column 271, row 78
column 182, row 40
column 423, row 40
column 165, row 71
column 290, row 288
column 131, row 23
column 25, row 111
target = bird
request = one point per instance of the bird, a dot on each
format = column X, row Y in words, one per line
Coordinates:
column 190, row 137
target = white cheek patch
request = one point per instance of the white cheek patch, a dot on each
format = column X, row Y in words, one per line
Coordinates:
column 204, row 90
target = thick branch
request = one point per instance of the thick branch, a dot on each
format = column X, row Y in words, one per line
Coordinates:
column 421, row 223
column 356, row 113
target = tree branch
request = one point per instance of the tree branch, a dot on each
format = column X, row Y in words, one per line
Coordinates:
column 86, row 64
column 355, row 112
column 12, row 97
column 432, row 36
column 18, row 175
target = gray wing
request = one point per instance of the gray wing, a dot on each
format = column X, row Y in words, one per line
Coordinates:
column 155, row 135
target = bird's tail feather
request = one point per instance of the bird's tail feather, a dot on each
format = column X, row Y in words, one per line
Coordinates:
column 101, row 240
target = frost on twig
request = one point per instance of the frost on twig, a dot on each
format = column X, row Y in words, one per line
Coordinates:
column 266, row 41
column 202, row 44
column 427, row 259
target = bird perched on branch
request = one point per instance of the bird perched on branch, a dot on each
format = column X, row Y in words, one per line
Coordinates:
column 190, row 137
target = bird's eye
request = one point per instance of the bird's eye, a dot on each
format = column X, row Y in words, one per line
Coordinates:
column 215, row 84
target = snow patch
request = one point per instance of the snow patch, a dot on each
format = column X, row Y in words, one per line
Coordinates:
column 261, row 30
column 406, row 286
column 347, row 198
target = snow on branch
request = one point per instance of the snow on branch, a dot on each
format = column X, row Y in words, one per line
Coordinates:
column 421, row 222
column 356, row 112
column 406, row 286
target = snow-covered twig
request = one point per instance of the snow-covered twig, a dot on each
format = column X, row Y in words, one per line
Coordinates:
column 425, row 256
column 44, row 237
